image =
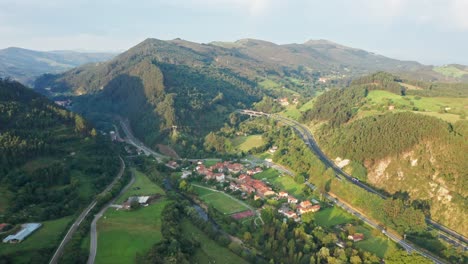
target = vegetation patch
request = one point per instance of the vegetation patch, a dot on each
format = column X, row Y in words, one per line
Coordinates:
column 329, row 217
column 209, row 251
column 375, row 242
column 142, row 186
column 450, row 71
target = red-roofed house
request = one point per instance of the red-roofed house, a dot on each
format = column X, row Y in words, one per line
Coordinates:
column 290, row 214
column 235, row 168
column 310, row 209
column 283, row 195
column 356, row 237
column 247, row 188
column 305, row 204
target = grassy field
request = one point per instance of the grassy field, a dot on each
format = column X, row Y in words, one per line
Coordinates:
column 329, row 217
column 246, row 143
column 426, row 105
column 209, row 251
column 450, row 71
column 211, row 162
column 220, row 201
column 44, row 239
column 379, row 245
column 291, row 111
column 284, row 182
column 307, row 105
column 145, row 185
column 123, row 234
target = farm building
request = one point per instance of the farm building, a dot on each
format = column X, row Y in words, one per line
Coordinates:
column 26, row 230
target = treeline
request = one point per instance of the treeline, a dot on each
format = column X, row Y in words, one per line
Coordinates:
column 47, row 155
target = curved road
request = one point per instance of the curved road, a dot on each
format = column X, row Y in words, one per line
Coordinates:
column 137, row 143
column 310, row 141
column 82, row 216
column 93, row 231
column 445, row 233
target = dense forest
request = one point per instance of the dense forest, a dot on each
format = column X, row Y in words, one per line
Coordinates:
column 51, row 160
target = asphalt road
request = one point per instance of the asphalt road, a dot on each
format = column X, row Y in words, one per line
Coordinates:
column 309, row 140
column 408, row 247
column 82, row 216
column 445, row 233
column 137, row 143
column 93, row 231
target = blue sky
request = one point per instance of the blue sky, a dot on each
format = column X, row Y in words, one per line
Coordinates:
column 429, row 31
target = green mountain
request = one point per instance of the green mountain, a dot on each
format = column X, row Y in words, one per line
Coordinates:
column 402, row 136
column 52, row 162
column 26, row 65
column 181, row 88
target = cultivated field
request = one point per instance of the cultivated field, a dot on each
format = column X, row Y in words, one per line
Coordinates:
column 220, row 201
column 246, row 143
column 122, row 234
column 446, row 108
column 141, row 186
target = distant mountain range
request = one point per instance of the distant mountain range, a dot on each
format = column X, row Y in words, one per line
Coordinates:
column 25, row 65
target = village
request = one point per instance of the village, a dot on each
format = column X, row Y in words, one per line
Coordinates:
column 238, row 177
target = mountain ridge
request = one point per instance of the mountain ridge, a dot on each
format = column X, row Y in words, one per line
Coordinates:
column 25, row 65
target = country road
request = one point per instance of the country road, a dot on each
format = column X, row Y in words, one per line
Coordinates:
column 58, row 253
column 93, row 231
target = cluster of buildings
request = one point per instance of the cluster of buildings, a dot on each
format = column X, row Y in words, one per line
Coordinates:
column 249, row 185
column 300, row 209
column 219, row 170
column 285, row 101
column 26, row 230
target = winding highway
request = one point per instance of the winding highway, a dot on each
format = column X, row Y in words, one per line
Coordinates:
column 58, row 253
column 445, row 233
column 137, row 143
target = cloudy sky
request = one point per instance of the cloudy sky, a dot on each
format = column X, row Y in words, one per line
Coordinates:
column 429, row 31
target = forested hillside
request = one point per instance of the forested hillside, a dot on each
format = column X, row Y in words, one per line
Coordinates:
column 51, row 160
column 397, row 146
